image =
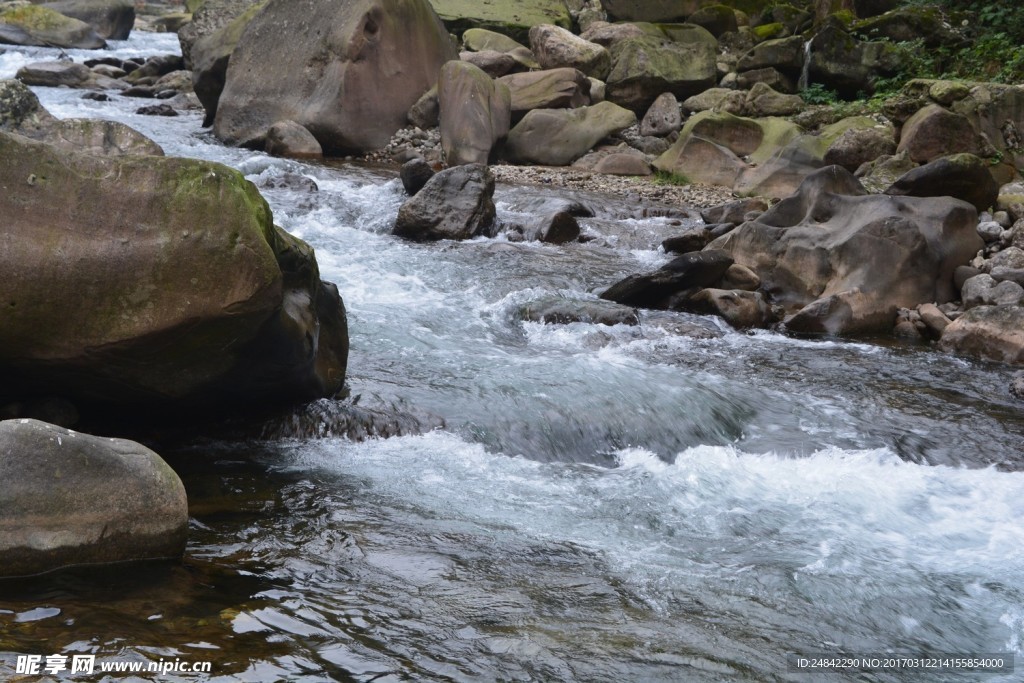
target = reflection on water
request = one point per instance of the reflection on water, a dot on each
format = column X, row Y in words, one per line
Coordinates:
column 670, row 501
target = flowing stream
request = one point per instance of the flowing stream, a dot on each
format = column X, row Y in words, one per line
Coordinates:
column 585, row 503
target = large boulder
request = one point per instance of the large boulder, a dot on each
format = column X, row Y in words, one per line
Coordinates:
column 963, row 176
column 350, row 85
column 475, row 113
column 934, row 132
column 36, row 25
column 210, row 55
column 844, row 64
column 554, row 47
column 997, row 111
column 785, row 54
column 557, row 137
column 663, row 117
column 650, row 10
column 69, row 499
column 21, row 113
column 644, row 67
column 842, row 262
column 548, row 89
column 184, row 295
column 513, row 18
column 111, row 19
column 993, row 333
column 456, row 204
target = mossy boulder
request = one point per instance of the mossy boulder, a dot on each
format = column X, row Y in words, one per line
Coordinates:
column 650, row 10
column 909, row 23
column 36, row 25
column 716, row 19
column 111, row 19
column 70, row 499
column 644, row 67
column 513, row 18
column 207, row 17
column 849, row 66
column 155, row 283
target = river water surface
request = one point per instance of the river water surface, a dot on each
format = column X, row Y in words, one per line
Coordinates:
column 669, row 502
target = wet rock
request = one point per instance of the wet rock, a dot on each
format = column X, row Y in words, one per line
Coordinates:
column 289, row 139
column 155, row 67
column 963, row 176
column 213, row 308
column 73, row 499
column 993, row 333
column 741, row 309
column 457, row 203
column 841, row 261
column 691, row 240
column 96, row 96
column 681, row 277
column 741, row 278
column 157, row 110
column 331, row 80
column 557, row 228
column 415, row 174
column 289, row 181
column 560, row 311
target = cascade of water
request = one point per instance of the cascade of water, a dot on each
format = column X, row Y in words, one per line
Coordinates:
column 805, row 70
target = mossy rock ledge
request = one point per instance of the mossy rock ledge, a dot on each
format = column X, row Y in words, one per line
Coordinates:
column 154, row 283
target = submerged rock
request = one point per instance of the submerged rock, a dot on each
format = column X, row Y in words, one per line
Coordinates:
column 71, row 499
column 560, row 311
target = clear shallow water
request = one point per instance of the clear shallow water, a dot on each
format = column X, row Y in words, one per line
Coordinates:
column 603, row 504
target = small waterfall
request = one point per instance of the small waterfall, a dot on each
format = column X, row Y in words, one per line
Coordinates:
column 805, row 71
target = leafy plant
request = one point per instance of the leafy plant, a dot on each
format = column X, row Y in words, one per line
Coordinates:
column 816, row 93
column 670, row 178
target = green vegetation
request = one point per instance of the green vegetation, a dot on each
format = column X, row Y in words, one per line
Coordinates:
column 670, row 178
column 993, row 47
